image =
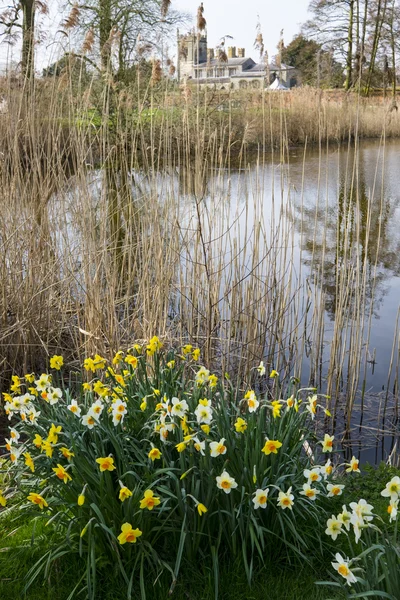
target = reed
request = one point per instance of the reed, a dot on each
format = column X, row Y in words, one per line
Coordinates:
column 130, row 211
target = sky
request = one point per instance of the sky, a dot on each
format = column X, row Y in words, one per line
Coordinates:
column 238, row 18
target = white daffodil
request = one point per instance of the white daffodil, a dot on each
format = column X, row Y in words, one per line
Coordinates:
column 334, row 489
column 217, row 448
column 226, row 482
column 285, row 499
column 89, row 421
column 345, row 517
column 53, row 395
column 333, row 527
column 202, row 376
column 392, row 489
column 179, row 408
column 203, row 414
column 96, row 409
column 117, row 418
column 342, row 567
column 326, row 470
column 74, row 408
column 362, row 509
column 393, row 509
column 313, row 475
column 311, row 406
column 260, row 498
column 252, row 401
column 199, row 445
column 358, row 525
column 310, row 492
column 261, row 368
column 14, row 435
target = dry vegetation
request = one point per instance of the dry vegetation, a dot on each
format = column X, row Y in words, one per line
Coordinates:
column 117, row 222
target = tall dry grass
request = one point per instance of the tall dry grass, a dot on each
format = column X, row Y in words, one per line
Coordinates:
column 118, row 221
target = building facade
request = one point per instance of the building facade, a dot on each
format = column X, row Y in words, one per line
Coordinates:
column 201, row 65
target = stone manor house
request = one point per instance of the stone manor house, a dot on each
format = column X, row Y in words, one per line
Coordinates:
column 200, row 64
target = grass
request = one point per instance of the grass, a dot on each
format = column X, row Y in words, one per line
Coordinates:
column 195, row 584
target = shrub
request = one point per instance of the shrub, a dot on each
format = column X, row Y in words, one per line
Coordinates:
column 150, row 458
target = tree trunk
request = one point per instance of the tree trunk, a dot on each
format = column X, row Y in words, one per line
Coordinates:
column 393, row 48
column 349, row 59
column 363, row 36
column 105, row 26
column 380, row 16
column 28, row 38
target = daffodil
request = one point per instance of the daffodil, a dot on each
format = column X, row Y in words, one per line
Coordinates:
column 342, row 567
column 201, row 509
column 353, row 466
column 179, row 407
column 252, row 402
column 96, row 409
column 181, row 446
column 52, row 437
column 56, row 362
column 261, row 369
column 327, row 443
column 271, row 447
column 202, row 376
column 124, row 493
column 14, row 435
column 217, row 448
column 47, row 448
column 260, row 498
column 392, row 488
column 212, row 381
column 153, row 345
column 196, row 354
column 171, row 364
column 106, row 464
column 29, row 461
column 362, row 509
column 203, row 414
column 344, row 517
column 117, row 417
column 310, row 492
column 81, row 500
column 154, row 454
column 312, row 405
column 43, row 382
column 285, row 499
column 37, row 499
column 3, row 501
column 128, row 534
column 274, row 374
column 62, row 474
column 89, row 421
column 313, row 475
column 333, row 527
column 226, row 482
column 334, row 489
column 205, row 428
column 393, row 509
column 66, row 453
column 187, row 349
column 149, row 500
column 199, row 445
column 240, row 425
column 326, row 469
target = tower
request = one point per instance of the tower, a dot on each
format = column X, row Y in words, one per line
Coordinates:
column 192, row 50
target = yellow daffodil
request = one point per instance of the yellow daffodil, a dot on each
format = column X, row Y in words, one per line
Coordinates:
column 212, row 381
column 62, row 474
column 118, row 357
column 67, row 453
column 154, row 454
column 201, row 509
column 353, row 466
column 81, row 500
column 187, row 349
column 181, row 446
column 3, row 501
column 327, row 443
column 52, row 437
column 37, row 499
column 240, row 425
column 124, row 493
column 273, row 374
column 149, row 501
column 271, row 447
column 30, row 377
column 128, row 534
column 56, row 362
column 47, row 448
column 106, row 464
column 276, row 408
column 205, row 428
column 153, row 345
column 131, row 360
column 37, row 440
column 29, row 461
column 196, row 354
column 171, row 364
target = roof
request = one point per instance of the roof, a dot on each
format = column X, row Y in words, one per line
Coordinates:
column 232, row 62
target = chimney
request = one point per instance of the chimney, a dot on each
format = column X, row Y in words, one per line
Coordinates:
column 231, row 51
column 241, row 53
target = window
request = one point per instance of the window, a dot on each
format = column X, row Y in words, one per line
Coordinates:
column 255, row 84
column 232, row 72
column 210, row 72
column 220, row 72
column 243, row 84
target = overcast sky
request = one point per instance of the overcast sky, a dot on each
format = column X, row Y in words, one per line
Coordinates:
column 238, row 18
